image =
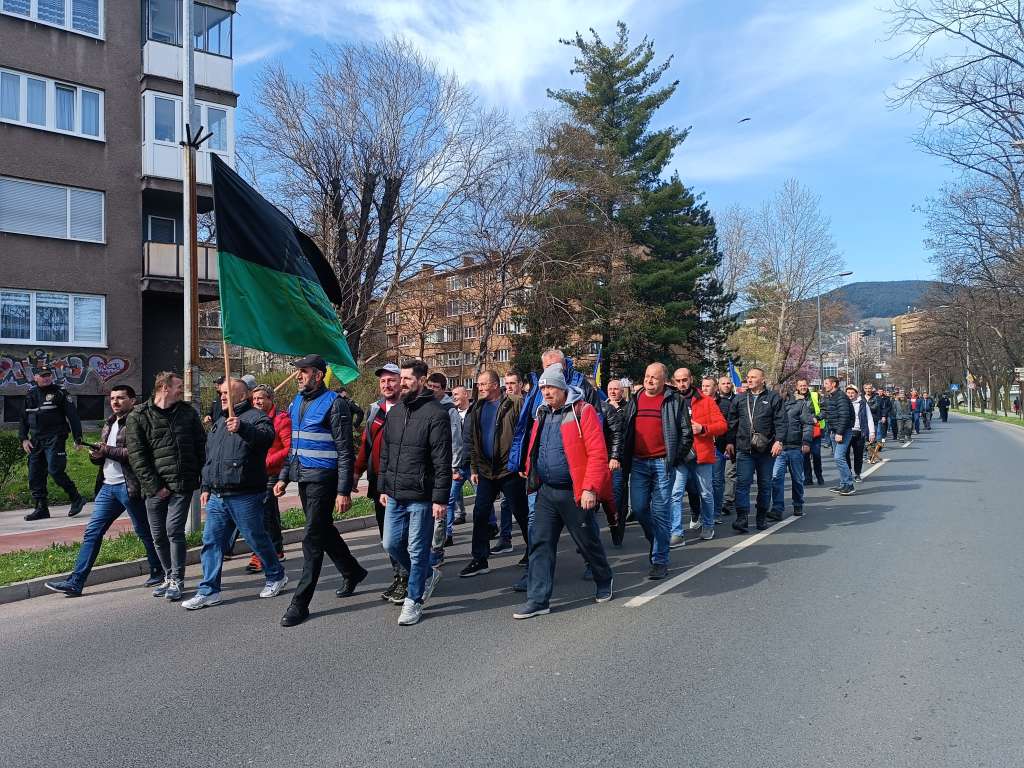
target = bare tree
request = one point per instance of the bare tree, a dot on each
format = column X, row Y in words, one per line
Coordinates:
column 373, row 156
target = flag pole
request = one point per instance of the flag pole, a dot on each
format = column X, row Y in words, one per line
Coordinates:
column 227, row 375
column 281, row 385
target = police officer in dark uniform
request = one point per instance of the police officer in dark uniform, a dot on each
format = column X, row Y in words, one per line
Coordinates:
column 48, row 418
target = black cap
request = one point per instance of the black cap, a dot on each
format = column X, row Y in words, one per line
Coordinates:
column 43, row 370
column 311, row 361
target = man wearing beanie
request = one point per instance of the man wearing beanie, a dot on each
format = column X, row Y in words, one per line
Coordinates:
column 567, row 465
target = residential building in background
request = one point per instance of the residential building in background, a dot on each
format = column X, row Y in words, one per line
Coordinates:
column 91, row 238
column 904, row 326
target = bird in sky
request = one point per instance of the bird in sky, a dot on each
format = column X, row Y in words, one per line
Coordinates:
column 745, row 119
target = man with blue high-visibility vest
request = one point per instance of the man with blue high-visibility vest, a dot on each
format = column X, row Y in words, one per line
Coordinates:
column 320, row 461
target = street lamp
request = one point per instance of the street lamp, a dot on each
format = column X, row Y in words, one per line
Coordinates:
column 821, row 357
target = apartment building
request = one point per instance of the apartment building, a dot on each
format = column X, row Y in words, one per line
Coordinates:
column 91, row 187
column 905, row 326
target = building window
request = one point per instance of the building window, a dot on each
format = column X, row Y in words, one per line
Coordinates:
column 391, row 318
column 469, row 358
column 164, row 117
column 209, row 318
column 452, row 283
column 28, row 317
column 218, row 126
column 469, row 332
column 165, row 124
column 502, row 355
column 162, row 230
column 165, row 21
column 501, row 328
column 83, row 16
column 211, row 30
column 453, row 359
column 48, row 210
column 76, row 110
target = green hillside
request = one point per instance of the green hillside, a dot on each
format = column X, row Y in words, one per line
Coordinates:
column 882, row 298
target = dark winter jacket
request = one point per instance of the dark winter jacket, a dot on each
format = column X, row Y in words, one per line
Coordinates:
column 884, row 407
column 769, row 418
column 724, row 405
column 505, row 421
column 875, row 406
column 799, row 423
column 355, row 411
column 416, row 452
column 236, row 461
column 118, row 453
column 166, row 447
column 613, row 428
column 339, row 421
column 49, row 412
column 838, row 411
column 675, row 429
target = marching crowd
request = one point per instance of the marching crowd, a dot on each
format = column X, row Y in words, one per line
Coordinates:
column 548, row 450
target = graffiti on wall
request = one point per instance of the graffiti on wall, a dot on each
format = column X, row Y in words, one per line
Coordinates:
column 73, row 369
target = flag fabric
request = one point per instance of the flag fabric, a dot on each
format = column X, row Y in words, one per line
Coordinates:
column 276, row 288
column 597, row 366
column 735, row 375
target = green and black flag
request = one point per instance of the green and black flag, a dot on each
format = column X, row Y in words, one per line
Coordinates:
column 276, row 288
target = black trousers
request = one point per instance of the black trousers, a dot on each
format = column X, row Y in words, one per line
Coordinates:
column 49, row 455
column 272, row 518
column 321, row 537
column 487, row 490
column 857, row 452
column 812, row 461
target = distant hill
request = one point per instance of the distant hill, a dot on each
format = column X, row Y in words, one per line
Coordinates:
column 881, row 298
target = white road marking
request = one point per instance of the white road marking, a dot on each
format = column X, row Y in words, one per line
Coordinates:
column 711, row 562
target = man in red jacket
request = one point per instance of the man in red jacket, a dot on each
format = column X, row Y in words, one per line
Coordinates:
column 262, row 397
column 567, row 466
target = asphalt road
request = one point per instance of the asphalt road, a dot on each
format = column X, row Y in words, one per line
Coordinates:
column 881, row 629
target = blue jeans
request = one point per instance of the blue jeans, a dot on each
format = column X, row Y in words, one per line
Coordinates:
column 110, row 502
column 747, row 465
column 916, row 415
column 455, row 499
column 650, row 498
column 705, row 485
column 793, row 460
column 840, row 452
column 408, row 529
column 718, row 481
column 223, row 513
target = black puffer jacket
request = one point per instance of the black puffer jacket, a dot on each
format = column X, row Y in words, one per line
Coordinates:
column 166, row 447
column 838, row 411
column 799, row 423
column 875, row 406
column 416, row 452
column 118, row 453
column 769, row 418
column 613, row 428
column 675, row 429
column 236, row 461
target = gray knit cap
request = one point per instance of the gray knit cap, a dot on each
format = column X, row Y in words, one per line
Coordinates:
column 553, row 376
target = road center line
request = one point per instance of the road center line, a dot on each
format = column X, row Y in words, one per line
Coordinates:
column 675, row 581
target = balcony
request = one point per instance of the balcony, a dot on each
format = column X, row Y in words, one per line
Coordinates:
column 163, row 60
column 163, row 269
column 164, row 160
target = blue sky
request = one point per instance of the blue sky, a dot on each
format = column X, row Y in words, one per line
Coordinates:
column 811, row 75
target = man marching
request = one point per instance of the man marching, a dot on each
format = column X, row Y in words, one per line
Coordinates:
column 321, row 463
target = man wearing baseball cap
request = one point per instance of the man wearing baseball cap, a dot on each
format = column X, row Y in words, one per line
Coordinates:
column 320, row 461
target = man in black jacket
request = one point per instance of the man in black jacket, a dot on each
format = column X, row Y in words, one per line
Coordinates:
column 233, row 491
column 167, row 450
column 320, row 461
column 48, row 417
column 795, row 445
column 726, row 395
column 415, row 481
column 840, row 417
column 757, row 425
column 613, row 410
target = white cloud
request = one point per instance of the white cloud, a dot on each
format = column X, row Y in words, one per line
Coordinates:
column 495, row 45
column 259, row 54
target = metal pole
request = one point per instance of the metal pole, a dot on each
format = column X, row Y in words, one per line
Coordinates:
column 821, row 356
column 970, row 389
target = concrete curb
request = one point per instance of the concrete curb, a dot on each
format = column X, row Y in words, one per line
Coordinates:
column 24, row 590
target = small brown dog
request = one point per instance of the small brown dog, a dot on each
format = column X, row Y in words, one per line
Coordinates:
column 874, row 451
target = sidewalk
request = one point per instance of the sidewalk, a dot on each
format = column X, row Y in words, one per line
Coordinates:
column 17, row 533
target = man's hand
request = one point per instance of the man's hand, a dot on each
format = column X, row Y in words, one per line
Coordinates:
column 805, row 449
column 730, row 451
column 207, row 421
column 588, row 500
column 343, row 504
column 440, row 511
column 614, row 464
column 164, row 493
column 474, row 479
column 839, row 438
column 776, row 448
column 279, row 489
column 524, row 475
column 383, row 499
column 204, row 498
column 456, row 475
column 98, row 452
column 26, row 446
column 698, row 428
column 232, row 423
column 78, row 445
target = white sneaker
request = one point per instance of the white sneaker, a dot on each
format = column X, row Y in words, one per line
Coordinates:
column 428, row 589
column 273, row 588
column 694, row 524
column 411, row 612
column 201, row 601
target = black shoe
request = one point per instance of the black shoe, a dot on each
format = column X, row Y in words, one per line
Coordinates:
column 762, row 526
column 658, row 572
column 775, row 518
column 837, row 489
column 66, row 587
column 77, row 505
column 475, row 568
column 740, row 525
column 387, row 593
column 294, row 616
column 524, row 560
column 501, row 548
column 459, row 519
column 798, row 511
column 349, row 584
column 847, row 491
column 494, row 532
column 401, row 591
column 821, row 481
column 449, row 541
column 41, row 512
column 154, row 580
